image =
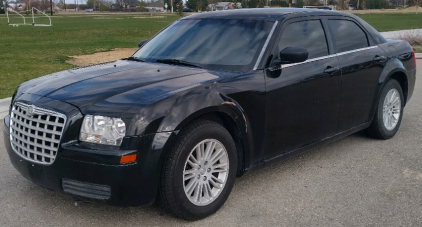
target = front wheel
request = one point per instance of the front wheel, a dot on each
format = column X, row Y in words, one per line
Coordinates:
column 199, row 173
column 389, row 112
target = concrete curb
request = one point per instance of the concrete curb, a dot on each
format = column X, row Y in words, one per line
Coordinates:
column 418, row 55
column 4, row 104
column 4, row 107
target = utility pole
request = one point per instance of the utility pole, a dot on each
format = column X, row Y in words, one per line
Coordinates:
column 171, row 6
column 357, row 6
column 51, row 7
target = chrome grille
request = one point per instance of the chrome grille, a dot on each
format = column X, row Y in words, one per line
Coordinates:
column 35, row 133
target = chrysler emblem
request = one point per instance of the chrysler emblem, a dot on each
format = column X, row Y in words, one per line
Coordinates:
column 30, row 111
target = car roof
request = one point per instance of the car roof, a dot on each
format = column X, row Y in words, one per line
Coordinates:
column 276, row 13
column 262, row 13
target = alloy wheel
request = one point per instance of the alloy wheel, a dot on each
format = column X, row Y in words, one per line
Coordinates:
column 391, row 109
column 205, row 172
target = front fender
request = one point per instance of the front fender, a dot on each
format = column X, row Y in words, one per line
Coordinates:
column 172, row 112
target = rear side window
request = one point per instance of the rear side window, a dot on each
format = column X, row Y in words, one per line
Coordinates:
column 347, row 35
column 306, row 34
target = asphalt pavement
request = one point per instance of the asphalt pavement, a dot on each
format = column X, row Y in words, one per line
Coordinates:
column 356, row 181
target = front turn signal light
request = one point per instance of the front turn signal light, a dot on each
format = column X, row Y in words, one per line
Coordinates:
column 128, row 158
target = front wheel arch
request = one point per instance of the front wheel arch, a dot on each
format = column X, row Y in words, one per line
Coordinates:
column 224, row 117
column 171, row 192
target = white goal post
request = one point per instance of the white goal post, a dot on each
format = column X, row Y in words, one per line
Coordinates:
column 33, row 11
column 8, row 19
column 33, row 18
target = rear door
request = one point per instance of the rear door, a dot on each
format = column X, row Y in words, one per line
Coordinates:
column 302, row 102
column 361, row 62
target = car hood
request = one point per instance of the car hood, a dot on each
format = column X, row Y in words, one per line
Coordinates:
column 119, row 83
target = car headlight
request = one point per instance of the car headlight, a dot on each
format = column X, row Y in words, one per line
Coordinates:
column 102, row 130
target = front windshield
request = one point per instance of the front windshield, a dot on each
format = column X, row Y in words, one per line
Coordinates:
column 230, row 44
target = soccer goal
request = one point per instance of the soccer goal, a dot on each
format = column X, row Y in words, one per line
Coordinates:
column 10, row 12
column 33, row 17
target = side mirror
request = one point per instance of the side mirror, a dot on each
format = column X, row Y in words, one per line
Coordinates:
column 142, row 42
column 291, row 55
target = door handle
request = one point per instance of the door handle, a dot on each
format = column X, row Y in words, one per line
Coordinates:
column 380, row 59
column 331, row 70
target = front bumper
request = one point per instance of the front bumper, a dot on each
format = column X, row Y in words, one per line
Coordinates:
column 88, row 172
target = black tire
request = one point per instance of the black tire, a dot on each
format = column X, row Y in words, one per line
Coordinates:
column 378, row 129
column 171, row 194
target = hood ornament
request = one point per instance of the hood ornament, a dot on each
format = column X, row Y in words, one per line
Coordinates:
column 30, row 111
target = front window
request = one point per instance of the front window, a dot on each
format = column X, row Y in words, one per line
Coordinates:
column 230, row 44
column 306, row 34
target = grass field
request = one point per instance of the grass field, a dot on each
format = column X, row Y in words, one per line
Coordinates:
column 27, row 52
column 391, row 22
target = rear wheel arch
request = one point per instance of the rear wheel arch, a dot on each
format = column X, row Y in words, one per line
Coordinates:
column 397, row 74
column 401, row 77
column 394, row 69
column 381, row 127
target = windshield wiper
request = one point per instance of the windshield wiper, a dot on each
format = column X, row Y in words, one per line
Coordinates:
column 133, row 59
column 178, row 62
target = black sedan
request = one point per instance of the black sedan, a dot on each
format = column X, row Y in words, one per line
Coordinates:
column 208, row 99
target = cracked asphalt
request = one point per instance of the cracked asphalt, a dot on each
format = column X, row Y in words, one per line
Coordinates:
column 356, row 181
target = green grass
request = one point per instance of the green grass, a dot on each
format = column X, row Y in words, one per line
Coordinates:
column 392, row 22
column 28, row 52
column 417, row 48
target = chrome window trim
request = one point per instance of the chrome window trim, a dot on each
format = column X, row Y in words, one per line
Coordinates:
column 329, row 56
column 265, row 46
column 357, row 50
column 309, row 60
column 39, row 111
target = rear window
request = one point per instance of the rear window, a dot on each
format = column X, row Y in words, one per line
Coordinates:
column 374, row 33
column 348, row 35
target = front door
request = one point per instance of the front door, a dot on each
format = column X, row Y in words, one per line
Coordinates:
column 302, row 102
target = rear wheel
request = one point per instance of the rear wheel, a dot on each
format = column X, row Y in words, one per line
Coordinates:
column 199, row 173
column 389, row 112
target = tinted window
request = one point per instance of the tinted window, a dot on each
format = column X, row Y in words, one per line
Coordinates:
column 348, row 35
column 307, row 34
column 375, row 34
column 213, row 43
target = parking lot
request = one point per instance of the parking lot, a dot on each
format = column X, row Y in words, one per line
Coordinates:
column 355, row 181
